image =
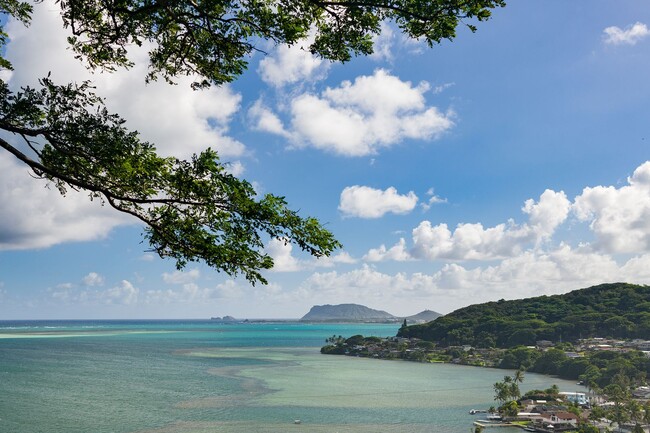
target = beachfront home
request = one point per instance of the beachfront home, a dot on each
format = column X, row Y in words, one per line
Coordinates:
column 560, row 418
column 575, row 397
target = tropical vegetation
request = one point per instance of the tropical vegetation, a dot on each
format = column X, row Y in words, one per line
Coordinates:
column 617, row 310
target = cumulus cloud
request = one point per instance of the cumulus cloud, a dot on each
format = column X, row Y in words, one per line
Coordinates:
column 473, row 241
column 265, row 120
column 186, row 293
column 629, row 36
column 284, row 260
column 619, row 217
column 433, row 199
column 383, row 43
column 531, row 273
column 194, row 120
column 181, row 277
column 124, row 293
column 93, row 279
column 366, row 202
column 340, row 258
column 371, row 113
column 36, row 216
column 397, row 252
column 291, row 64
column 546, row 215
column 147, row 257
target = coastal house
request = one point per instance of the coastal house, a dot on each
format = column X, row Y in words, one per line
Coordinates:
column 573, row 355
column 543, row 344
column 643, row 346
column 642, row 392
column 554, row 418
column 530, row 416
column 575, row 397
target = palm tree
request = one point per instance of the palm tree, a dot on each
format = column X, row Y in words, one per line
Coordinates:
column 646, row 413
column 634, row 410
column 519, row 376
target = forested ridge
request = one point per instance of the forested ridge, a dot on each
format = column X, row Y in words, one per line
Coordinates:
column 617, row 310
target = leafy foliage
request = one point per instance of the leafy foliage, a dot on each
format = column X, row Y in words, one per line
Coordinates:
column 616, row 310
column 192, row 210
column 214, row 38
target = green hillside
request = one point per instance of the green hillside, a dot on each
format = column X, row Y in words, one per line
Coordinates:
column 617, row 310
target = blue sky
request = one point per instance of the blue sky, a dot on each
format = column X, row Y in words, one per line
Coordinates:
column 509, row 163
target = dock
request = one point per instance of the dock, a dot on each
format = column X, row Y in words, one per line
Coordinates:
column 489, row 424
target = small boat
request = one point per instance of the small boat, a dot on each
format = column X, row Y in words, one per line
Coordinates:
column 475, row 411
column 297, row 421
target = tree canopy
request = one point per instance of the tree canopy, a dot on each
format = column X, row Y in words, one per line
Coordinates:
column 193, row 210
column 617, row 310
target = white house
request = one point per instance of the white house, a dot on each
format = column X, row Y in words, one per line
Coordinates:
column 575, row 397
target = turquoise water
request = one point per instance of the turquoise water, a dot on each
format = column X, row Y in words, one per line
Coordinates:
column 203, row 376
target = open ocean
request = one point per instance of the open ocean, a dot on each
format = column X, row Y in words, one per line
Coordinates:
column 206, row 376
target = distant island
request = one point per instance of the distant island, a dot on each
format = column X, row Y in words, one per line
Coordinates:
column 224, row 319
column 361, row 313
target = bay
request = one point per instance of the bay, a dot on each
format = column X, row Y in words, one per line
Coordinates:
column 206, row 376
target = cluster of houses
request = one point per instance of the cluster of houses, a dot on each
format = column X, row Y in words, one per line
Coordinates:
column 550, row 416
column 598, row 344
column 545, row 416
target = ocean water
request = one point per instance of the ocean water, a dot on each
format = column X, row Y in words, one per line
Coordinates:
column 204, row 376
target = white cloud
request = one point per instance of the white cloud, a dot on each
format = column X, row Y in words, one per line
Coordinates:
column 374, row 112
column 265, row 120
column 194, row 120
column 528, row 274
column 289, row 65
column 93, row 279
column 383, row 43
column 181, row 277
column 283, row 261
column 472, row 241
column 188, row 293
column 230, row 289
column 619, row 217
column 397, row 252
column 366, row 202
column 546, row 215
column 469, row 241
column 124, row 293
column 38, row 217
column 147, row 257
column 341, row 258
column 236, row 168
column 630, row 35
column 441, row 88
column 433, row 199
